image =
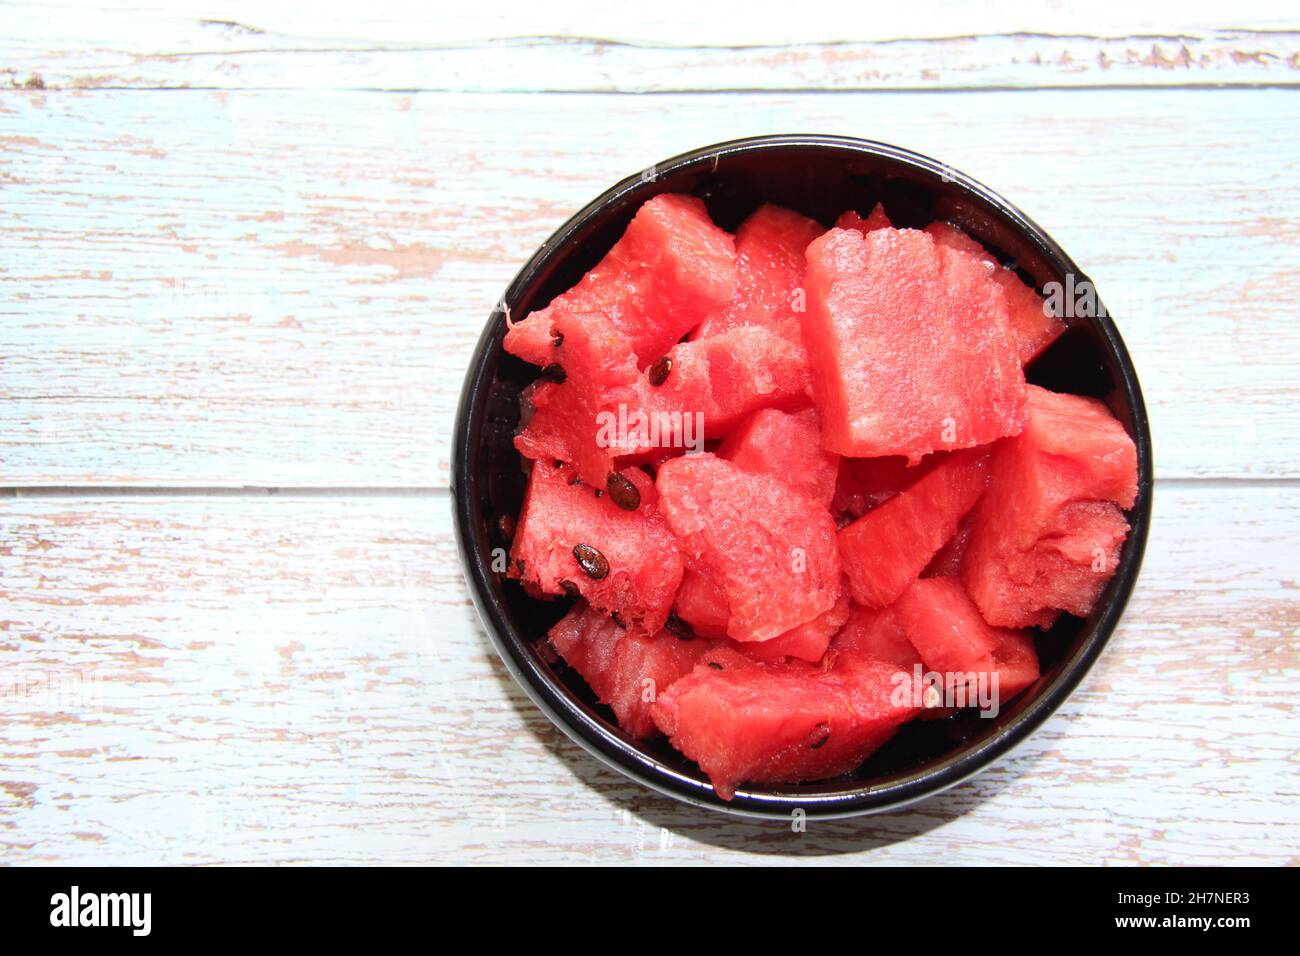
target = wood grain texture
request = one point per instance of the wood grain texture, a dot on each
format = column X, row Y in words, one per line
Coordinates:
column 251, row 245
column 181, row 265
column 155, row 50
column 310, row 685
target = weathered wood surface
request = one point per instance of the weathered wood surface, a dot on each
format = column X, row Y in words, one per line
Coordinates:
column 257, row 678
column 676, row 46
column 247, row 246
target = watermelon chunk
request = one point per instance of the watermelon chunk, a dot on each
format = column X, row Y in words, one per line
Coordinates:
column 787, row 447
column 702, row 605
column 627, row 670
column 910, row 346
column 807, row 642
column 727, row 376
column 769, row 268
column 599, row 378
column 1034, row 325
column 1036, row 548
column 886, row 549
column 771, row 555
column 644, row 562
column 878, row 219
column 953, row 639
column 747, row 721
column 876, row 634
column 671, row 268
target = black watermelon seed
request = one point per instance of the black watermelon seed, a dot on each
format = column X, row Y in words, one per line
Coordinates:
column 820, row 734
column 506, row 528
column 679, row 628
column 618, row 619
column 599, row 493
column 575, row 480
column 591, row 561
column 554, row 373
column 715, row 665
column 558, row 340
column 519, row 563
column 659, row 371
column 622, row 492
column 569, row 588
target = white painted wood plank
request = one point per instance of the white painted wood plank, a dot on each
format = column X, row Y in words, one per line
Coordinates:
column 281, row 678
column 205, row 288
column 169, row 53
column 248, row 24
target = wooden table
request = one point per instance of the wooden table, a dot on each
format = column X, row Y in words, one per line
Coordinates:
column 244, row 258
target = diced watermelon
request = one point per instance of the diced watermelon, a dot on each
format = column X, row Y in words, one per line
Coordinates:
column 807, row 642
column 787, row 447
column 627, row 670
column 599, row 378
column 875, row 633
column 729, row 375
column 1067, row 567
column 866, row 483
column 770, row 554
column 953, row 639
column 643, row 557
column 671, row 268
column 1034, row 325
column 747, row 721
column 886, row 549
column 1034, row 551
column 769, row 268
column 702, row 605
column 910, row 346
column 877, row 220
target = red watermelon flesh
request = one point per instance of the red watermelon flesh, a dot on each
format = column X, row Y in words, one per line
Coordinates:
column 599, row 378
column 786, row 446
column 747, row 721
column 626, row 669
column 947, row 561
column 910, row 346
column 769, row 268
column 1066, row 569
column 886, row 549
column 729, row 375
column 1034, row 325
column 643, row 557
column 702, row 605
column 771, row 555
column 953, row 639
column 877, row 220
column 671, row 268
column 807, row 642
column 867, row 483
column 1071, row 451
column 876, row 634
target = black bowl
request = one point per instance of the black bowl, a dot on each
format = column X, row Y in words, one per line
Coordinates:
column 819, row 176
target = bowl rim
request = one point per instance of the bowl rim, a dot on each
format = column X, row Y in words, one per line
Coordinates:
column 590, row 730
